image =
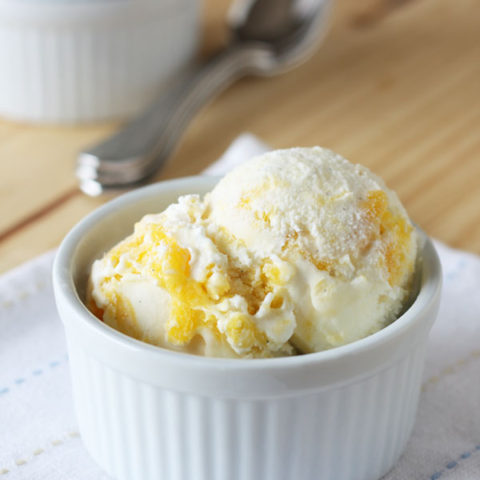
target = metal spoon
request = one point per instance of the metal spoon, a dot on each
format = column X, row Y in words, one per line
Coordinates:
column 269, row 36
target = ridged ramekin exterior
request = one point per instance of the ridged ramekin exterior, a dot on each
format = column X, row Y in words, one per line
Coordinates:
column 68, row 62
column 146, row 413
column 138, row 432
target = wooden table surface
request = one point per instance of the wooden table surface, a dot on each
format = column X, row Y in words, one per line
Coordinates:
column 395, row 86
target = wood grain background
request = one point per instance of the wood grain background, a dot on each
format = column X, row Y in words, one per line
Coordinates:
column 395, row 86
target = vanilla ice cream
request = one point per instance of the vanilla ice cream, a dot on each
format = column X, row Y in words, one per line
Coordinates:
column 295, row 251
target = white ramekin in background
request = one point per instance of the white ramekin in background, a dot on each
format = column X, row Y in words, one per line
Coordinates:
column 147, row 413
column 83, row 60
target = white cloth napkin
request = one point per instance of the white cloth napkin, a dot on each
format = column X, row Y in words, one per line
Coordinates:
column 38, row 433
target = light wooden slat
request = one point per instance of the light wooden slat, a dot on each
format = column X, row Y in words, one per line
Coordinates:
column 37, row 166
column 46, row 234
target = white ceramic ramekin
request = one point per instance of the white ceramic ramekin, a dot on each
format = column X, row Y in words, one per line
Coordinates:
column 146, row 413
column 89, row 60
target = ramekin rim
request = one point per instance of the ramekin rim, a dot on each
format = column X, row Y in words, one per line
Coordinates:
column 63, row 283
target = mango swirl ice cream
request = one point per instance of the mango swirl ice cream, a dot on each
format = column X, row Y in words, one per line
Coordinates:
column 294, row 251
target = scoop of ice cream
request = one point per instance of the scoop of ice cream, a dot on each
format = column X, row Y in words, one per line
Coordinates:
column 345, row 235
column 294, row 251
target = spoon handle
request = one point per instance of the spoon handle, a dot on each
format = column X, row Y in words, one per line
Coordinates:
column 140, row 148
